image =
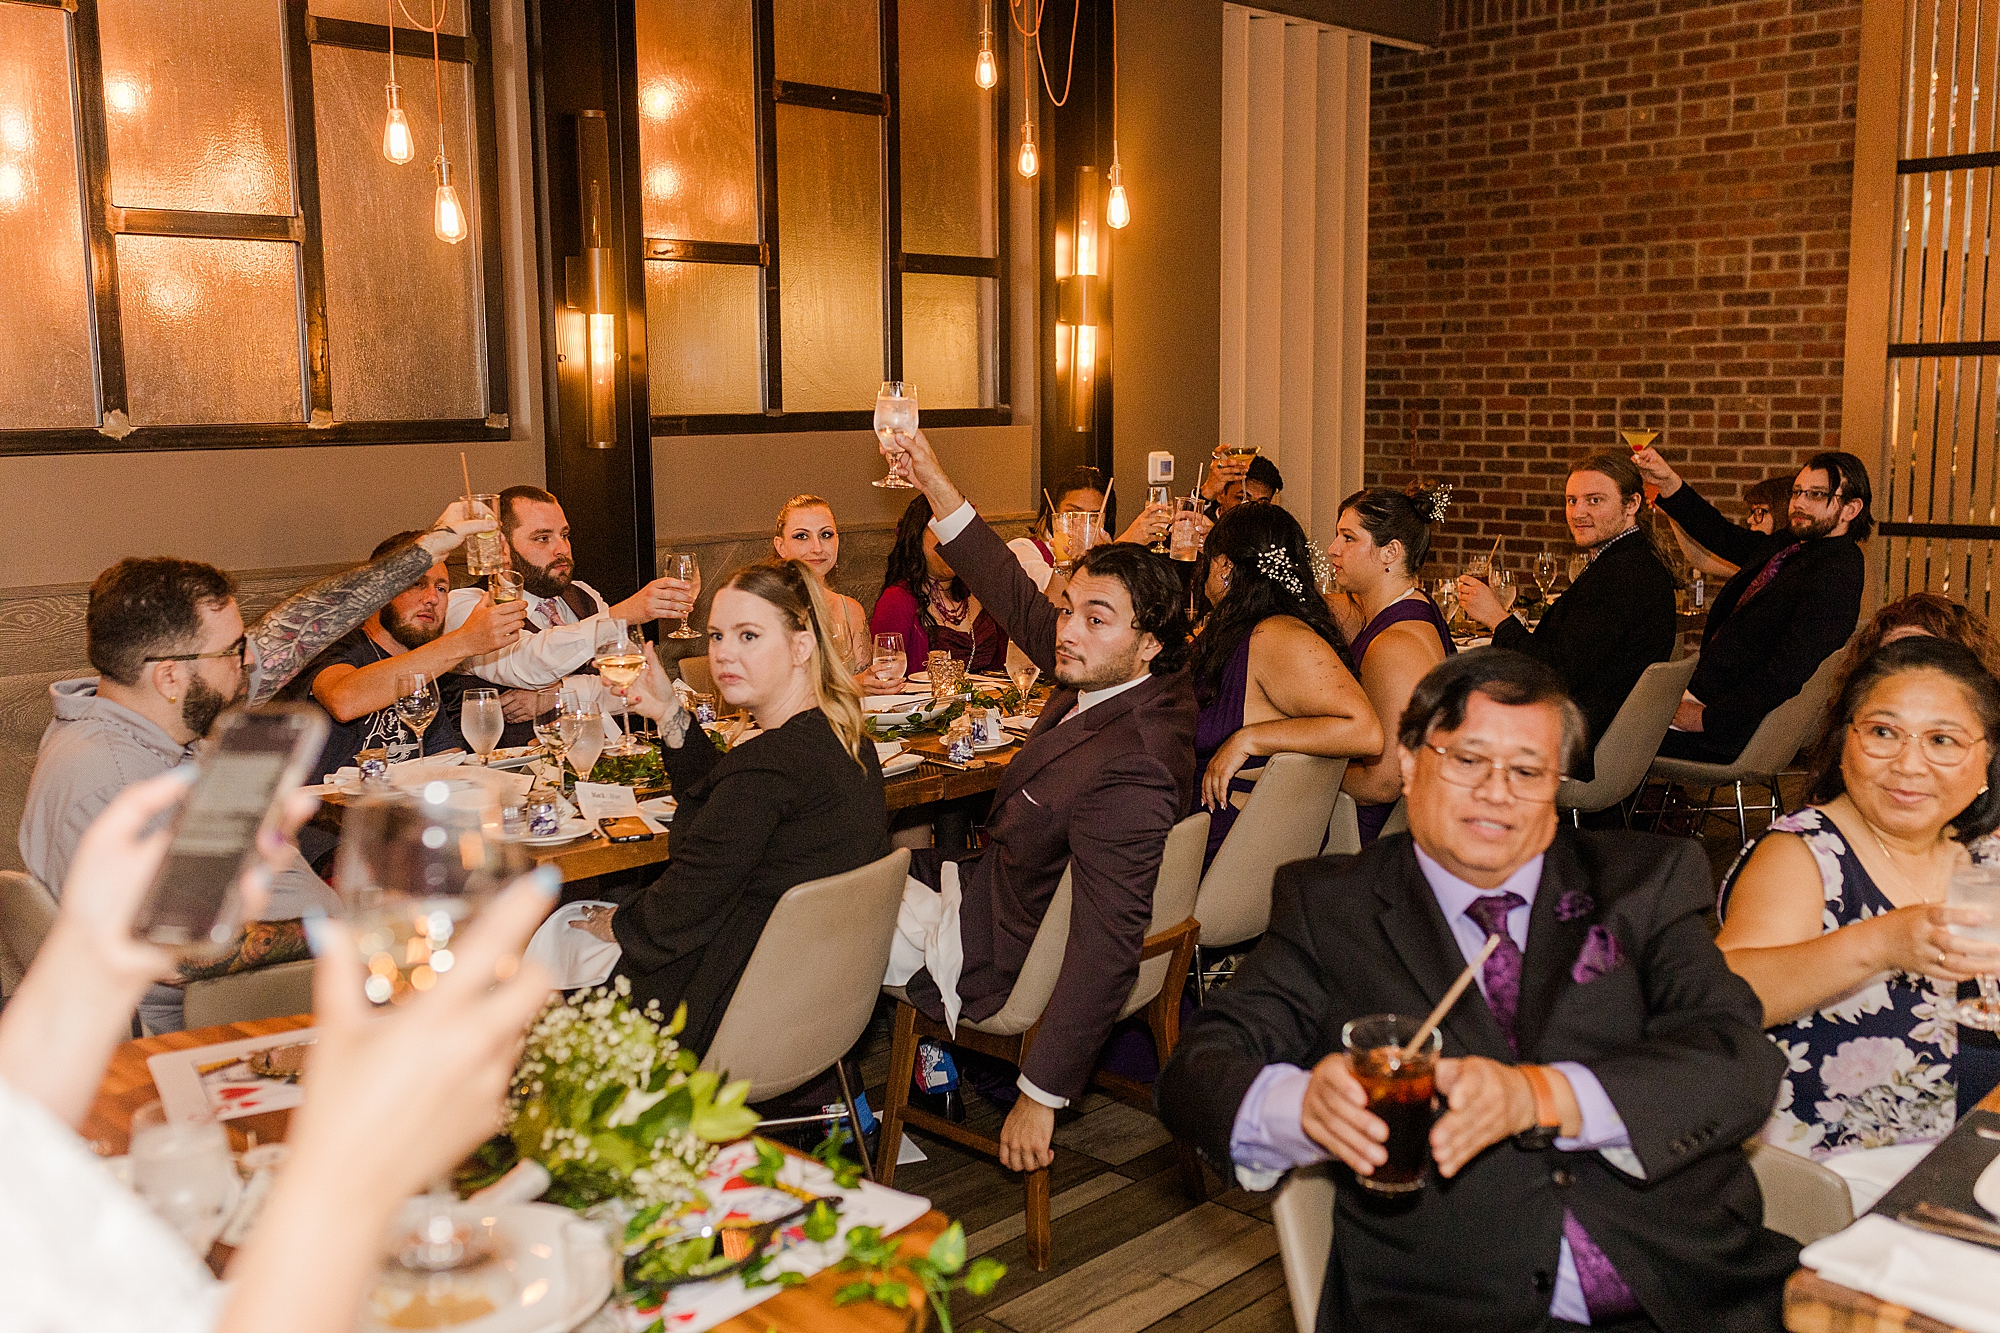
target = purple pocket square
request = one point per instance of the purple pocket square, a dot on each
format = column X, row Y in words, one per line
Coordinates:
column 1600, row 954
column 1573, row 904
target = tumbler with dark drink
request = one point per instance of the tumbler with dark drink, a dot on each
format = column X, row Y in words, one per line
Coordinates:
column 1401, row 1089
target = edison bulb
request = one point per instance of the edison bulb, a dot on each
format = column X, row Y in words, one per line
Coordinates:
column 1031, row 161
column 447, row 214
column 988, row 73
column 1117, row 209
column 397, row 144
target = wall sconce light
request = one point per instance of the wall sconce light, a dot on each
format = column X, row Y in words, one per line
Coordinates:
column 592, row 283
column 1080, row 303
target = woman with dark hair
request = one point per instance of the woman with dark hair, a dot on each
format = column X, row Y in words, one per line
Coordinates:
column 1083, row 491
column 929, row 605
column 1268, row 665
column 1396, row 632
column 1836, row 916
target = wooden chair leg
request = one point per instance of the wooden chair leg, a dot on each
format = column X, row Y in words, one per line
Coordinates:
column 1040, row 1242
column 902, row 1068
column 1163, row 1016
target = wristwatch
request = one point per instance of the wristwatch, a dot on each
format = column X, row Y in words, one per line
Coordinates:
column 1548, row 1116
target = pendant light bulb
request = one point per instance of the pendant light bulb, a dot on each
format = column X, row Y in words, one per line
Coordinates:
column 1031, row 161
column 398, row 145
column 1117, row 208
column 987, row 73
column 447, row 214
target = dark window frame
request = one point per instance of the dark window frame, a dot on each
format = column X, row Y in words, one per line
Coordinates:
column 104, row 221
column 772, row 92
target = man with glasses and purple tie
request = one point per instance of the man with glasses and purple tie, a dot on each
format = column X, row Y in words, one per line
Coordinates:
column 1793, row 602
column 1598, row 1078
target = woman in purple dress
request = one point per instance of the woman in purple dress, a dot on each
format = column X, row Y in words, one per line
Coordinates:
column 1397, row 633
column 1268, row 665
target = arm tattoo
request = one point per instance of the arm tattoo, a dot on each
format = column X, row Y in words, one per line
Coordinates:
column 674, row 727
column 260, row 944
column 293, row 632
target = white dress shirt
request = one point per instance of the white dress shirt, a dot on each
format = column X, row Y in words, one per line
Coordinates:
column 558, row 645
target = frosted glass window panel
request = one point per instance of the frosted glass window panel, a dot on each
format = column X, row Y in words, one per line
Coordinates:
column 947, row 131
column 947, row 325
column 834, row 43
column 194, row 98
column 697, row 127
column 409, row 14
column 47, row 371
column 404, row 316
column 830, row 258
column 211, row 330
column 702, row 344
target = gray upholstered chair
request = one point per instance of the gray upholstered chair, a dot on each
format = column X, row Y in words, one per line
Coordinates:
column 265, row 992
column 694, row 670
column 809, row 989
column 1630, row 744
column 1165, row 959
column 27, row 910
column 1287, row 818
column 1303, row 1214
column 1802, row 1199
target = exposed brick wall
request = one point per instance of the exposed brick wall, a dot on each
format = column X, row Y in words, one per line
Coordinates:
column 1578, row 203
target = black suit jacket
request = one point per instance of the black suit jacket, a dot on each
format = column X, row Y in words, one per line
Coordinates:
column 1616, row 620
column 1674, row 1037
column 1758, row 654
column 1096, row 796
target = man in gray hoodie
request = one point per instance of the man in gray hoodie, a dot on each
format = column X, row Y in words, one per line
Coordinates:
column 172, row 652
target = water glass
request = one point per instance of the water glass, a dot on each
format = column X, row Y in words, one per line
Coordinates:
column 1071, row 534
column 485, row 552
column 1979, row 886
column 890, row 662
column 895, row 414
column 1184, row 538
column 1577, row 564
column 1444, row 592
column 184, row 1172
column 481, row 721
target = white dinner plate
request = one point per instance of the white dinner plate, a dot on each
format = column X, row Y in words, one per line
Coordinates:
column 1986, row 1189
column 905, row 762
column 560, row 1264
column 1000, row 744
column 661, row 808
column 576, row 826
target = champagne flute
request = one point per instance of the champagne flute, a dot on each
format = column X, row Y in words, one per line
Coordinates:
column 1545, row 572
column 1979, row 886
column 895, row 414
column 619, row 659
column 890, row 662
column 416, row 703
column 482, row 722
column 683, row 567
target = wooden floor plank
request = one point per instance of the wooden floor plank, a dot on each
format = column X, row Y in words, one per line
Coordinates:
column 1060, row 1205
column 1268, row 1314
column 1147, row 1277
column 1226, row 1300
column 980, row 1192
column 1114, row 1134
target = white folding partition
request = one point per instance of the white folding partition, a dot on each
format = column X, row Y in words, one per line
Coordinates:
column 1295, row 252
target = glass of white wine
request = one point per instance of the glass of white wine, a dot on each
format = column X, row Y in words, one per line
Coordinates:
column 416, row 704
column 895, row 414
column 619, row 659
column 1545, row 572
column 481, row 722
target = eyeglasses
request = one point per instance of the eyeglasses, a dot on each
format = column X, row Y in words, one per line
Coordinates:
column 234, row 650
column 1524, row 782
column 1813, row 494
column 1759, row 511
column 1944, row 749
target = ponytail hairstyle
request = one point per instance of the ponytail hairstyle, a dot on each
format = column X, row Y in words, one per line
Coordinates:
column 792, row 590
column 1389, row 515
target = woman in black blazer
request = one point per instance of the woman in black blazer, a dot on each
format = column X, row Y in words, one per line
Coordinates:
column 800, row 801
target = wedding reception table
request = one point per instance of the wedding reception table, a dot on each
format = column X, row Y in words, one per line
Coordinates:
column 808, row 1308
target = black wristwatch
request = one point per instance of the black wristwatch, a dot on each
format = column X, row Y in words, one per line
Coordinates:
column 1548, row 1118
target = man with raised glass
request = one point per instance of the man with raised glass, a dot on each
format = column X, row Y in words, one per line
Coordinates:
column 1596, row 1085
column 559, row 634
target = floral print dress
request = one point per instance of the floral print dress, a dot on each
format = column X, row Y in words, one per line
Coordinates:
column 1873, row 1069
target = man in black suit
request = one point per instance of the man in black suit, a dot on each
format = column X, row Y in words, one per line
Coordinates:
column 1598, row 1083
column 1793, row 602
column 1104, row 776
column 1617, row 618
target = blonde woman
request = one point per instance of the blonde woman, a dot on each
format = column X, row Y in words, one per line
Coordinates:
column 800, row 801
column 807, row 533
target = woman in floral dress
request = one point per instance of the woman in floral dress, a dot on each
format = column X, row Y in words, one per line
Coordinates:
column 1836, row 916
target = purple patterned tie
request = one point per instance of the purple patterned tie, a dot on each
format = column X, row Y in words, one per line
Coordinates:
column 1605, row 1294
column 1768, row 572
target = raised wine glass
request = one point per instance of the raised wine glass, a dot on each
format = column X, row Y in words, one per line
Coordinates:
column 682, row 566
column 895, row 414
column 481, row 722
column 416, row 704
column 619, row 659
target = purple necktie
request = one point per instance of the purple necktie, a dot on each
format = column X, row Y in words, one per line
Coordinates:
column 1605, row 1294
column 1769, row 572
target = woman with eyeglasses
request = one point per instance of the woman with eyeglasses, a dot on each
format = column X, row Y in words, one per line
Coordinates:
column 1837, row 918
column 1766, row 501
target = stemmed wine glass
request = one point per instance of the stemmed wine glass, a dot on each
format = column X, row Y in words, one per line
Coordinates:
column 619, row 659
column 1577, row 564
column 1979, row 886
column 1444, row 592
column 412, row 870
column 895, row 414
column 481, row 722
column 890, row 662
column 1022, row 672
column 1545, row 572
column 1503, row 587
column 683, row 567
column 588, row 741
column 416, row 703
column 555, row 722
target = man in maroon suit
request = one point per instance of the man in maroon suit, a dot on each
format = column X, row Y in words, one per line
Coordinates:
column 1104, row 776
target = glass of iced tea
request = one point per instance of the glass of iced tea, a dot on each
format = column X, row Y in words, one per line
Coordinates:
column 1401, row 1090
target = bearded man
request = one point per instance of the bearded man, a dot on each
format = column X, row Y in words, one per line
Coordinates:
column 359, row 679
column 1103, row 777
column 1617, row 618
column 1793, row 603
column 559, row 635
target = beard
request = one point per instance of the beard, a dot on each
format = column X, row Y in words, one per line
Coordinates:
column 1102, row 676
column 403, row 632
column 202, row 705
column 548, row 581
column 1809, row 529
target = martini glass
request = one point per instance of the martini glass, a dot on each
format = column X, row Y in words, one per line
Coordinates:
column 1636, row 440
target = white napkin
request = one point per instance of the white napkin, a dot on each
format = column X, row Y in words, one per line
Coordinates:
column 576, row 957
column 1944, row 1278
column 1872, row 1172
column 927, row 938
column 611, row 800
column 887, row 750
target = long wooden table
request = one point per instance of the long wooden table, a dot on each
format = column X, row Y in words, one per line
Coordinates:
column 808, row 1308
column 1815, row 1305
